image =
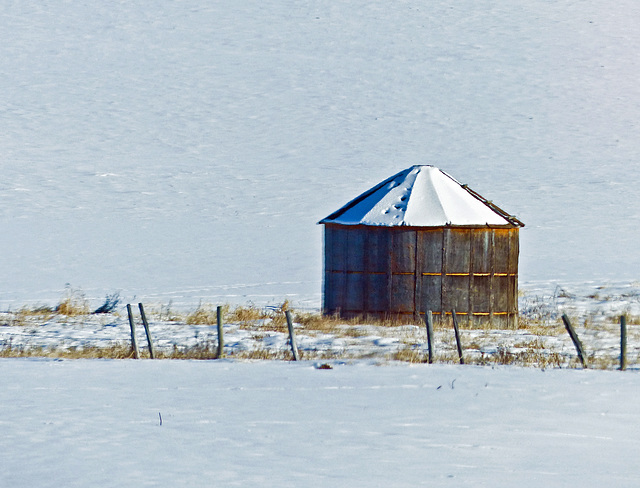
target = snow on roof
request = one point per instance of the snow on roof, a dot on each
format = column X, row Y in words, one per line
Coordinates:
column 421, row 196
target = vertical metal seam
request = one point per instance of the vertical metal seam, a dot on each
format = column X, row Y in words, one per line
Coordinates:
column 492, row 281
column 390, row 272
column 324, row 271
column 443, row 288
column 365, row 266
column 471, row 279
column 509, row 297
column 416, row 268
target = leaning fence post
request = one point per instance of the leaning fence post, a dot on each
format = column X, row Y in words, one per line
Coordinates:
column 457, row 333
column 220, row 333
column 574, row 338
column 152, row 353
column 623, row 342
column 428, row 318
column 134, row 342
column 292, row 336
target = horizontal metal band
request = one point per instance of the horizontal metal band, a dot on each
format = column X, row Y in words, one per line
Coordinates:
column 387, row 312
column 411, row 273
column 468, row 274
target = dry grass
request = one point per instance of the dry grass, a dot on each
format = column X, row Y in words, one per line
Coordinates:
column 73, row 304
column 116, row 351
column 528, row 351
column 26, row 316
column 203, row 315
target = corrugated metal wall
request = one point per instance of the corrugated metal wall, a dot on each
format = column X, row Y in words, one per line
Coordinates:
column 391, row 271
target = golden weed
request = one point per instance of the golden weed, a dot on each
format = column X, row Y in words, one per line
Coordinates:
column 204, row 315
column 73, row 304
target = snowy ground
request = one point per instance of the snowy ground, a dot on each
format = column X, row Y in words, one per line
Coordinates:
column 97, row 423
column 541, row 341
column 188, row 150
column 184, row 153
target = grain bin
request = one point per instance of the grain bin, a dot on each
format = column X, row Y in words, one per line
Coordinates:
column 422, row 241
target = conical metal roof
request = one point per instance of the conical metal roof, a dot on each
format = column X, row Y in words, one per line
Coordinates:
column 421, row 196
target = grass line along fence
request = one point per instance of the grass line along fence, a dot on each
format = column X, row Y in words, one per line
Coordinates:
column 260, row 323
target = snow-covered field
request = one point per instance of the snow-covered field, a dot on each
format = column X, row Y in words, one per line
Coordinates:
column 97, row 423
column 183, row 153
column 187, row 150
column 256, row 332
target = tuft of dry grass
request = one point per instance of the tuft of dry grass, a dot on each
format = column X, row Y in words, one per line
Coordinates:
column 246, row 314
column 409, row 355
column 73, row 304
column 203, row 315
column 26, row 316
column 116, row 351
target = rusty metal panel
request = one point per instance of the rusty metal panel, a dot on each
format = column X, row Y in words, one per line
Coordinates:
column 429, row 253
column 457, row 246
column 403, row 257
column 378, row 253
column 514, row 250
column 403, row 271
column 480, row 294
column 502, row 321
column 402, row 293
column 335, row 248
column 334, row 293
column 456, row 294
column 335, row 263
column 355, row 249
column 377, row 297
column 500, row 293
column 380, row 271
column 377, row 269
column 431, row 296
column 512, row 305
column 481, row 251
column 501, row 250
column 354, row 296
column 429, row 270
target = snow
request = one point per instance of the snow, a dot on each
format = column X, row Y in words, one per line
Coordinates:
column 594, row 311
column 184, row 153
column 97, row 423
column 420, row 196
column 187, row 152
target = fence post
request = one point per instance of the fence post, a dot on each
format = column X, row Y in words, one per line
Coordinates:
column 457, row 333
column 623, row 342
column 152, row 353
column 574, row 338
column 134, row 342
column 220, row 333
column 428, row 318
column 292, row 336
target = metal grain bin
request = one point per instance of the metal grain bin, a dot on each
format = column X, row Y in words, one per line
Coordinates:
column 421, row 241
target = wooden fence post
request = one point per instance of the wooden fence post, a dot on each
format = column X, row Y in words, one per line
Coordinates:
column 457, row 333
column 428, row 318
column 220, row 334
column 152, row 353
column 134, row 342
column 623, row 342
column 576, row 341
column 292, row 336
